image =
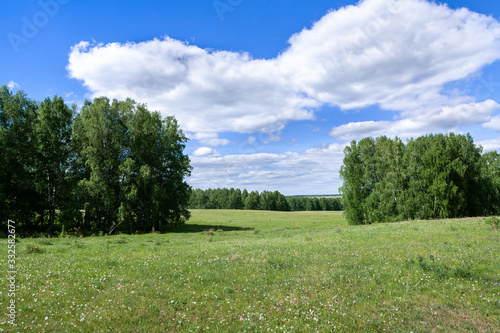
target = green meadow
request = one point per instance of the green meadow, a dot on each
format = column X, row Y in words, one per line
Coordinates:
column 260, row 271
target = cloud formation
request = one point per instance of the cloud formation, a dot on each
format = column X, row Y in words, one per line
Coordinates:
column 314, row 171
column 12, row 85
column 205, row 151
column 490, row 144
column 493, row 124
column 397, row 54
column 421, row 122
column 209, row 92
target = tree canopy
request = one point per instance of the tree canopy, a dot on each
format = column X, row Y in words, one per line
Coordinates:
column 433, row 176
column 112, row 164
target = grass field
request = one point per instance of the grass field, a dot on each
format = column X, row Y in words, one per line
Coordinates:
column 255, row 271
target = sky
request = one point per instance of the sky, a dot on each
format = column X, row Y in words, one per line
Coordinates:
column 268, row 92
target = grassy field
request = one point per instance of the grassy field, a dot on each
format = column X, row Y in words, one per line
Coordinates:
column 255, row 271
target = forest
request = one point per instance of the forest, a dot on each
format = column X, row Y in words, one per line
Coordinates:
column 273, row 201
column 113, row 164
column 431, row 177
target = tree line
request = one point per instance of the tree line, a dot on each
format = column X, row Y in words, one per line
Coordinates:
column 112, row 164
column 433, row 176
column 274, row 201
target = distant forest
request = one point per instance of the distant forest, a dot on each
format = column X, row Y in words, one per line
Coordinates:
column 431, row 177
column 274, row 201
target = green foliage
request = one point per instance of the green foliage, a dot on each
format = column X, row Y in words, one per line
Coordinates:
column 433, row 176
column 253, row 201
column 100, row 134
column 19, row 198
column 271, row 201
column 490, row 181
column 154, row 172
column 136, row 166
column 359, row 179
column 120, row 164
column 53, row 135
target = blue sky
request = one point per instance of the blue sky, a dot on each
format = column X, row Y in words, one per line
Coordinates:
column 269, row 92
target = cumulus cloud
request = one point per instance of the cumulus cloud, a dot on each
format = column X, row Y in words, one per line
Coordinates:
column 493, row 124
column 205, row 151
column 397, row 54
column 490, row 144
column 443, row 119
column 209, row 92
column 211, row 139
column 12, row 85
column 311, row 171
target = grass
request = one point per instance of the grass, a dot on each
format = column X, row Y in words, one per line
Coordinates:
column 254, row 271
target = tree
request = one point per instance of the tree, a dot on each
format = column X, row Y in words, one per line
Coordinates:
column 244, row 196
column 433, row 176
column 117, row 161
column 253, row 201
column 172, row 191
column 296, row 203
column 442, row 170
column 490, row 184
column 359, row 178
column 19, row 199
column 281, row 202
column 101, row 135
column 268, row 201
column 135, row 166
column 197, row 199
column 53, row 133
column 235, row 200
column 387, row 202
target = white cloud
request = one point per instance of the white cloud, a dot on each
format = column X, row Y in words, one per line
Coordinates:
column 312, row 171
column 490, row 144
column 442, row 119
column 12, row 85
column 355, row 130
column 210, row 139
column 493, row 124
column 209, row 92
column 205, row 151
column 398, row 54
